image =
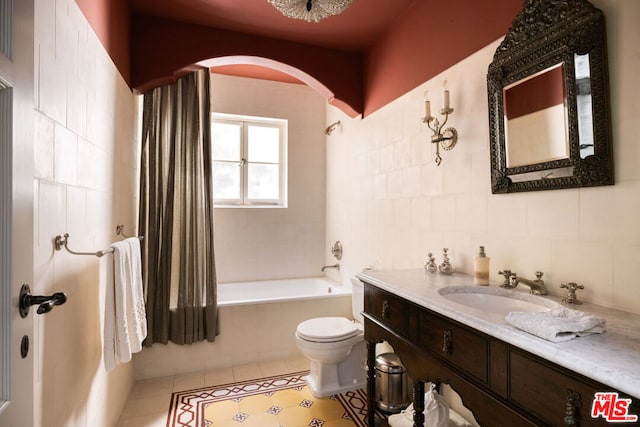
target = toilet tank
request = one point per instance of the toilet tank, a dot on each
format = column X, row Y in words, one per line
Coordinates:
column 357, row 299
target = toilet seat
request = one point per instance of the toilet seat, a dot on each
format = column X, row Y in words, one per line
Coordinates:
column 328, row 329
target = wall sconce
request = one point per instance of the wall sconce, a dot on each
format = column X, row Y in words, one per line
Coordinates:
column 446, row 139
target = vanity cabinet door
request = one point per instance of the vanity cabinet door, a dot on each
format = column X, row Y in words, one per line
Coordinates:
column 553, row 395
column 388, row 308
column 459, row 345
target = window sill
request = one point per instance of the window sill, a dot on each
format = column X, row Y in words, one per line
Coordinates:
column 250, row 206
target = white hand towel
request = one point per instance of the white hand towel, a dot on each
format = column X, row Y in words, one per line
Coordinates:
column 558, row 324
column 136, row 313
column 125, row 320
column 116, row 348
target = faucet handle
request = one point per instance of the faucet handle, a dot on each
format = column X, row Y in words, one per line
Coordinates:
column 571, row 286
column 507, row 275
column 539, row 275
column 571, row 297
column 430, row 265
column 446, row 267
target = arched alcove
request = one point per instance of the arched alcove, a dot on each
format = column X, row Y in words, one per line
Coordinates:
column 295, row 73
column 163, row 49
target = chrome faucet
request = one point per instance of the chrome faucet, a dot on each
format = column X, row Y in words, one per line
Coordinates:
column 336, row 266
column 536, row 286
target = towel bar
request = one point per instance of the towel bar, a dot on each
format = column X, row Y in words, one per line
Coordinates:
column 63, row 242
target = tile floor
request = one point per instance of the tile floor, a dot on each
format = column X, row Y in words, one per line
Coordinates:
column 149, row 400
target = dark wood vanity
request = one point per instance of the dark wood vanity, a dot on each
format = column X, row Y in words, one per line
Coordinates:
column 501, row 384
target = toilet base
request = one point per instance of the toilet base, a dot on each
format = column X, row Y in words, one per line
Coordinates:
column 326, row 379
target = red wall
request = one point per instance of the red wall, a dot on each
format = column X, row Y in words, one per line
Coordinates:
column 161, row 49
column 428, row 40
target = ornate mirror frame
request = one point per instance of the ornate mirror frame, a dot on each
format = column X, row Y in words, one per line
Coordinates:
column 544, row 34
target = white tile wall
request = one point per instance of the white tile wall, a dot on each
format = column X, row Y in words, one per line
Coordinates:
column 589, row 235
column 262, row 244
column 79, row 103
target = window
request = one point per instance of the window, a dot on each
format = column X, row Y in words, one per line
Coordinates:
column 249, row 161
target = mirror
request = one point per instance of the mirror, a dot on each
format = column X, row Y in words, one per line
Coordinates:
column 548, row 100
column 535, row 118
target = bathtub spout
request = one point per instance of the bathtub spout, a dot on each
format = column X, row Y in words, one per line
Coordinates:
column 336, row 266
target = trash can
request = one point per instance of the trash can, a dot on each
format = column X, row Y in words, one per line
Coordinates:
column 392, row 383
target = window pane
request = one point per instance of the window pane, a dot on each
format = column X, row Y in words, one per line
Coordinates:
column 226, row 180
column 263, row 182
column 264, row 144
column 226, row 141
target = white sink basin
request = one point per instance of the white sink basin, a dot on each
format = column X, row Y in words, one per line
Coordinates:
column 496, row 300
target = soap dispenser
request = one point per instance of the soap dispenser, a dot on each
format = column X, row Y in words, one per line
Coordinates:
column 481, row 268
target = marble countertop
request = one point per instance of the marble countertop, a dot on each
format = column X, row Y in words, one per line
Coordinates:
column 612, row 358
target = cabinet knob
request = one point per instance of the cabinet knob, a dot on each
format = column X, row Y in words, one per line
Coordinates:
column 447, row 342
column 574, row 401
column 385, row 309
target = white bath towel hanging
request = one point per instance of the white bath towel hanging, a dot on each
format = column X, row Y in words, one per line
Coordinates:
column 136, row 312
column 125, row 320
column 558, row 324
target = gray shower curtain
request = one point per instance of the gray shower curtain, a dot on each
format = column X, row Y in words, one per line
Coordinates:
column 176, row 213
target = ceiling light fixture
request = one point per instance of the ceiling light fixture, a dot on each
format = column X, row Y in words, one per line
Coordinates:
column 310, row 10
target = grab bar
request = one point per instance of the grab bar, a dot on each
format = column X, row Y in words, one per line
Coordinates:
column 63, row 242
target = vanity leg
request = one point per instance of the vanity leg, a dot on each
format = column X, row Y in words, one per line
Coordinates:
column 418, row 404
column 371, row 383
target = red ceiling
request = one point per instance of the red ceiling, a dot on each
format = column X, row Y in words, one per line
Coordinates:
column 357, row 28
column 366, row 57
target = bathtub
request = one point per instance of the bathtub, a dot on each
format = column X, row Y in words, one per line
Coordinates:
column 281, row 290
column 257, row 323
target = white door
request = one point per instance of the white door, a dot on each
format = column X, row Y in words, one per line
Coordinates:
column 16, row 210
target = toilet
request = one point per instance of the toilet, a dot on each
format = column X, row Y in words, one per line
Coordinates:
column 336, row 348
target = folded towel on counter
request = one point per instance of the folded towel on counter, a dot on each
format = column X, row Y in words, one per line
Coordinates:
column 125, row 317
column 558, row 324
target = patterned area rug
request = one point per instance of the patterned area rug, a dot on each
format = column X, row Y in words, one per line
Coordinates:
column 282, row 401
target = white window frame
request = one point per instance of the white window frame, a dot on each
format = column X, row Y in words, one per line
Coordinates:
column 245, row 121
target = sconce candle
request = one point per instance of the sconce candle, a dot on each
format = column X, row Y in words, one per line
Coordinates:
column 427, row 108
column 446, row 139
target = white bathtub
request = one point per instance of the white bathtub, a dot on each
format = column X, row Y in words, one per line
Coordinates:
column 257, row 323
column 281, row 290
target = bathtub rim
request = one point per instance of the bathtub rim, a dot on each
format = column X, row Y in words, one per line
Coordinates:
column 337, row 290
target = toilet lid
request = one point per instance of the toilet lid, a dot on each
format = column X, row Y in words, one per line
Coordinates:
column 327, row 329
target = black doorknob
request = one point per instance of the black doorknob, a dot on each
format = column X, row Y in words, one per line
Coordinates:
column 45, row 303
